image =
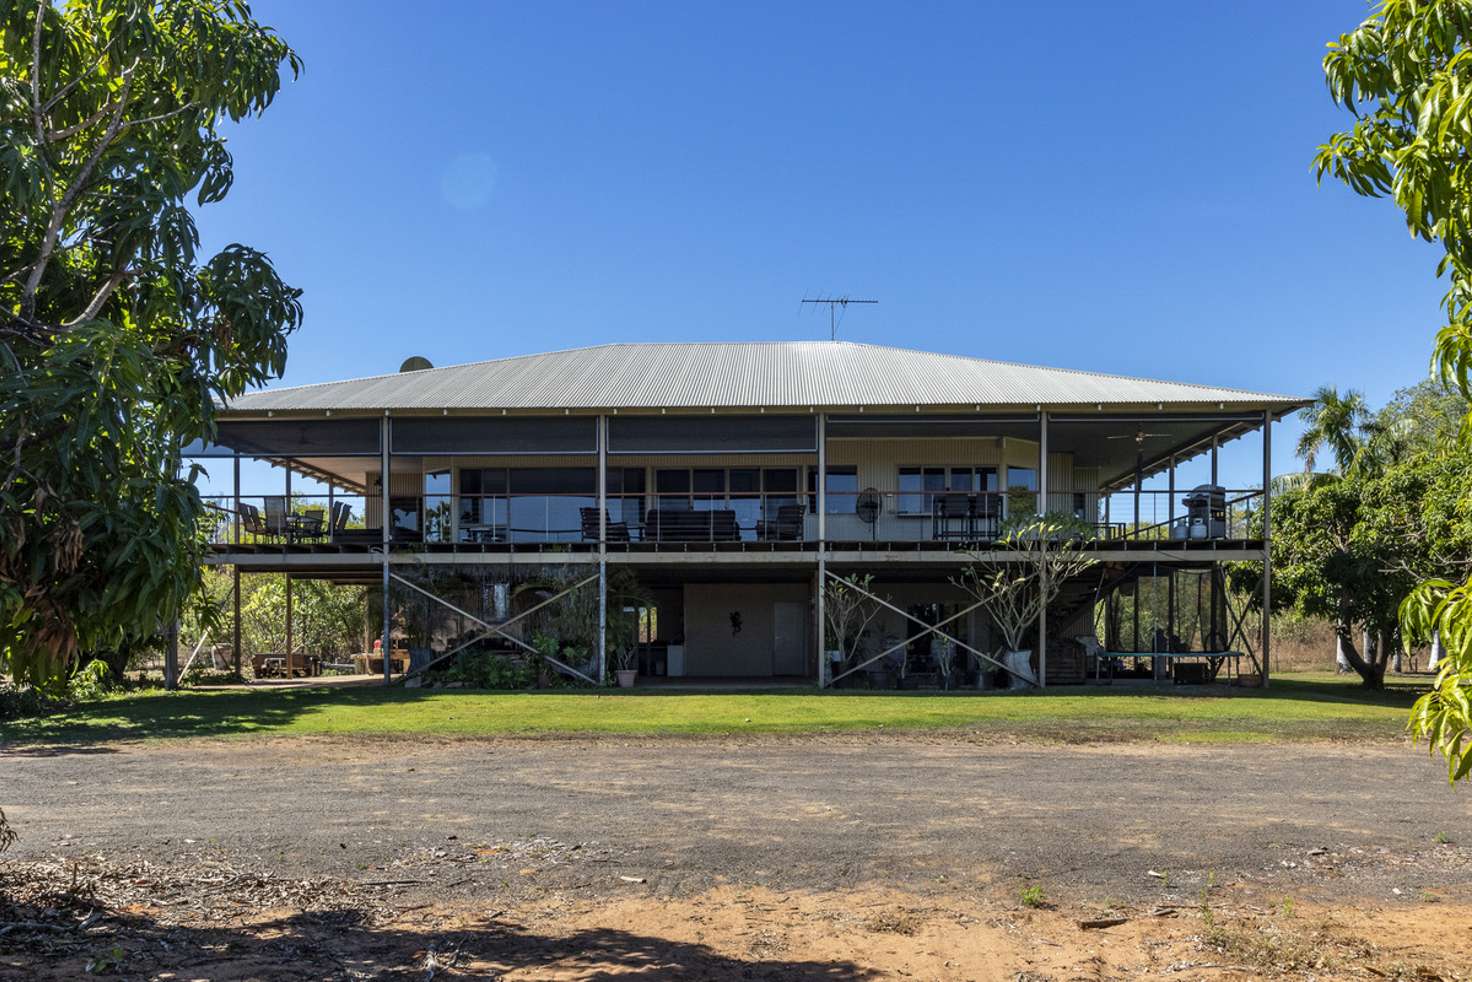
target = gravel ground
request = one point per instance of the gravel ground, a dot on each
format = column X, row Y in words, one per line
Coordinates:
column 468, row 819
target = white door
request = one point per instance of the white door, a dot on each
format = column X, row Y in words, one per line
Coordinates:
column 789, row 638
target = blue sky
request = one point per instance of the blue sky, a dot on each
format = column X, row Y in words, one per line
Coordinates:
column 1122, row 187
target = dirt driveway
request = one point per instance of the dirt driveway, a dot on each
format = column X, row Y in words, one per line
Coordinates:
column 701, row 836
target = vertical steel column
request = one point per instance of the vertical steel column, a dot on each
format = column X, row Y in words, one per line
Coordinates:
column 1267, row 541
column 236, row 517
column 1213, row 461
column 822, row 504
column 820, row 598
column 602, row 549
column 289, row 648
column 386, row 512
column 1171, row 502
column 1043, row 550
column 235, row 630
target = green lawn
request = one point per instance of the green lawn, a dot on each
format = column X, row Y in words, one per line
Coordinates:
column 1307, row 707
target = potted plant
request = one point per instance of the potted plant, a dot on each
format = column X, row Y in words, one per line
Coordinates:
column 625, row 665
column 1017, row 587
column 848, row 608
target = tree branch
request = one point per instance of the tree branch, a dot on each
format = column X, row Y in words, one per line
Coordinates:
column 68, row 132
column 94, row 306
column 36, row 117
column 62, row 92
column 69, row 197
column 161, row 116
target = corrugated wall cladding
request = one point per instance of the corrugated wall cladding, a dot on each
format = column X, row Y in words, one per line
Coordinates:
column 791, row 374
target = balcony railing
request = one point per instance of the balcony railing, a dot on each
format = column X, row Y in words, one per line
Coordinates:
column 770, row 517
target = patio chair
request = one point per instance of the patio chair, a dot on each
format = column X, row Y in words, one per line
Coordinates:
column 309, row 524
column 952, row 516
column 276, row 521
column 616, row 531
column 341, row 512
column 786, row 527
column 250, row 520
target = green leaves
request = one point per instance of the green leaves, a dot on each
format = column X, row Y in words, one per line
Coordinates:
column 1405, row 74
column 1443, row 717
column 116, row 341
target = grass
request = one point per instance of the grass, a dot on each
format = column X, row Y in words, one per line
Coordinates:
column 1293, row 709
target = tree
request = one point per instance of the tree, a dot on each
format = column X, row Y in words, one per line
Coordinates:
column 848, row 609
column 1016, row 587
column 1405, row 75
column 1335, row 422
column 116, row 337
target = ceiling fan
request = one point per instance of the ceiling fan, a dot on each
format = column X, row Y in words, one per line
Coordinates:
column 1139, row 436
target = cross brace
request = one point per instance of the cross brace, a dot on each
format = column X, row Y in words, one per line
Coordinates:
column 928, row 629
column 500, row 628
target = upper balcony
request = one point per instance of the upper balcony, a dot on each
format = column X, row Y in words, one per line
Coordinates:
column 724, row 482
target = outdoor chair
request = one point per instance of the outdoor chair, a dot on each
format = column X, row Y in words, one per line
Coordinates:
column 250, row 520
column 341, row 512
column 309, row 524
column 954, row 516
column 786, row 527
column 276, row 521
column 615, row 531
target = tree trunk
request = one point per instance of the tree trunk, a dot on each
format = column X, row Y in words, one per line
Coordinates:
column 1372, row 676
column 1341, row 663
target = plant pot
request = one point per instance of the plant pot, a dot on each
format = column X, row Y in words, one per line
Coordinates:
column 1021, row 675
column 625, row 677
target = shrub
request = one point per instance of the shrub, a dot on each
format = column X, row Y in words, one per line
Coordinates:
column 22, row 701
column 92, row 681
column 1033, row 896
column 486, row 670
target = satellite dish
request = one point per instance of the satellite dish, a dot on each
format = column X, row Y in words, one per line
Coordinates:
column 415, row 363
column 867, row 508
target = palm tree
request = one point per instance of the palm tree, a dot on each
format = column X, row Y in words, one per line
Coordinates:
column 1334, row 421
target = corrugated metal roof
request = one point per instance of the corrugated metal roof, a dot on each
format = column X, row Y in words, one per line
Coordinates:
column 777, row 374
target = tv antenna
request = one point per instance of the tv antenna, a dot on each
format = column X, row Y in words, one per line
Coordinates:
column 833, row 304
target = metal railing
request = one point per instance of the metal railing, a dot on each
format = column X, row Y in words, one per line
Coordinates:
column 681, row 517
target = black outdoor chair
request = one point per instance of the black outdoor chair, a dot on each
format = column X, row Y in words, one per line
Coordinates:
column 341, row 512
column 786, row 527
column 309, row 524
column 953, row 517
column 616, row 531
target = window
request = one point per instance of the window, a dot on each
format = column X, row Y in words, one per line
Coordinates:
column 626, row 487
column 673, row 489
column 1022, row 486
column 437, row 506
column 917, row 487
column 1080, row 506
column 709, row 487
column 842, row 490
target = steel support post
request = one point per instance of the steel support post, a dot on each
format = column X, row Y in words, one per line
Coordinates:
column 820, row 598
column 386, row 511
column 1267, row 541
column 235, row 628
column 236, row 516
column 289, row 648
column 1043, row 551
column 819, row 601
column 602, row 549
